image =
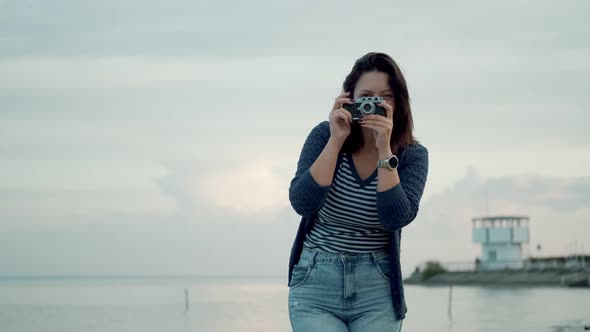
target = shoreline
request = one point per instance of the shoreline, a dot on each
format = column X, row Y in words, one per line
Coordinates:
column 526, row 278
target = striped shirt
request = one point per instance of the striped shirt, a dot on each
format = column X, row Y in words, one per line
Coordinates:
column 348, row 220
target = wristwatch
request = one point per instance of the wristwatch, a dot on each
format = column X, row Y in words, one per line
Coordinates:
column 390, row 162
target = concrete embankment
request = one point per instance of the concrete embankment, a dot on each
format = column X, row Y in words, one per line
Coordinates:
column 506, row 277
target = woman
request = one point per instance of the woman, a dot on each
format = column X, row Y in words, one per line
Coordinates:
column 357, row 184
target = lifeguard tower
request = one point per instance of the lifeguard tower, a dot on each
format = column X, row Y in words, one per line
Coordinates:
column 502, row 240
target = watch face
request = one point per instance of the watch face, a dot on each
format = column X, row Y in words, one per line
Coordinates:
column 393, row 162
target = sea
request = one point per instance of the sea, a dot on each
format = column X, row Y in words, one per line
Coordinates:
column 149, row 304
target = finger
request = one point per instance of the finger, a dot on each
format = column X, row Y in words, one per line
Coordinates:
column 375, row 116
column 388, row 109
column 346, row 113
column 372, row 117
column 339, row 99
column 375, row 123
column 339, row 114
column 344, row 100
column 339, row 102
column 377, row 119
column 375, row 128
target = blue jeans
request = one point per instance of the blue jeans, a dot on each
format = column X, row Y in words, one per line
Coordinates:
column 341, row 292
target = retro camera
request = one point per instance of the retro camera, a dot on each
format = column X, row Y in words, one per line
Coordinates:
column 365, row 106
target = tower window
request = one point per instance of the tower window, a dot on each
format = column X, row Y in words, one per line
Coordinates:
column 492, row 255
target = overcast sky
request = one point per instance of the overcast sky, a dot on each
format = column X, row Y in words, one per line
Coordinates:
column 161, row 138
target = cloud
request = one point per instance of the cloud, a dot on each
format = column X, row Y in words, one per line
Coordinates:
column 254, row 187
column 249, row 189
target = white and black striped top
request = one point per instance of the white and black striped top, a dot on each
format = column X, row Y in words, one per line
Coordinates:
column 348, row 220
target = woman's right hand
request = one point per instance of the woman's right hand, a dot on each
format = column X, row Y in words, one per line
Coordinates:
column 340, row 118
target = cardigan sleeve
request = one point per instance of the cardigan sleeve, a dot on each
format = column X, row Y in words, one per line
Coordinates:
column 398, row 206
column 305, row 194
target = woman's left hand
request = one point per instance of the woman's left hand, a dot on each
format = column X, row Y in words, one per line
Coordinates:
column 382, row 126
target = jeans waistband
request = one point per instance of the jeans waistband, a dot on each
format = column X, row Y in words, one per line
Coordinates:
column 315, row 255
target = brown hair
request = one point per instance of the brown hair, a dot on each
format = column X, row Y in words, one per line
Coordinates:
column 403, row 124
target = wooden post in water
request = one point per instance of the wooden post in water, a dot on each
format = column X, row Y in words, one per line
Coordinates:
column 450, row 300
column 186, row 304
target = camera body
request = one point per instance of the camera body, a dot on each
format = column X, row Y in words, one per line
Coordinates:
column 365, row 106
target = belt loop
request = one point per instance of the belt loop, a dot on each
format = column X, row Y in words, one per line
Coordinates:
column 313, row 256
column 374, row 257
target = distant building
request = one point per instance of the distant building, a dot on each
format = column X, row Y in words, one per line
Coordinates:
column 502, row 240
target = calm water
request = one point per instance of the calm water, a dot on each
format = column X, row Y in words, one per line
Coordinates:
column 260, row 304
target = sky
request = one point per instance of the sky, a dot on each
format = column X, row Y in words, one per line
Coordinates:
column 160, row 138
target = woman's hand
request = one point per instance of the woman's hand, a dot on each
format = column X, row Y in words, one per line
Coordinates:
column 340, row 118
column 382, row 127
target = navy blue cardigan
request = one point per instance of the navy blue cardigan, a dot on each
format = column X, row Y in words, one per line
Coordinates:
column 396, row 207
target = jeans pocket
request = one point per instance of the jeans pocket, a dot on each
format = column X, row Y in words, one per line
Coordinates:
column 300, row 274
column 383, row 268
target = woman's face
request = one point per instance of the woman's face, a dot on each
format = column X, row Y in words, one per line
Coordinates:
column 374, row 84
